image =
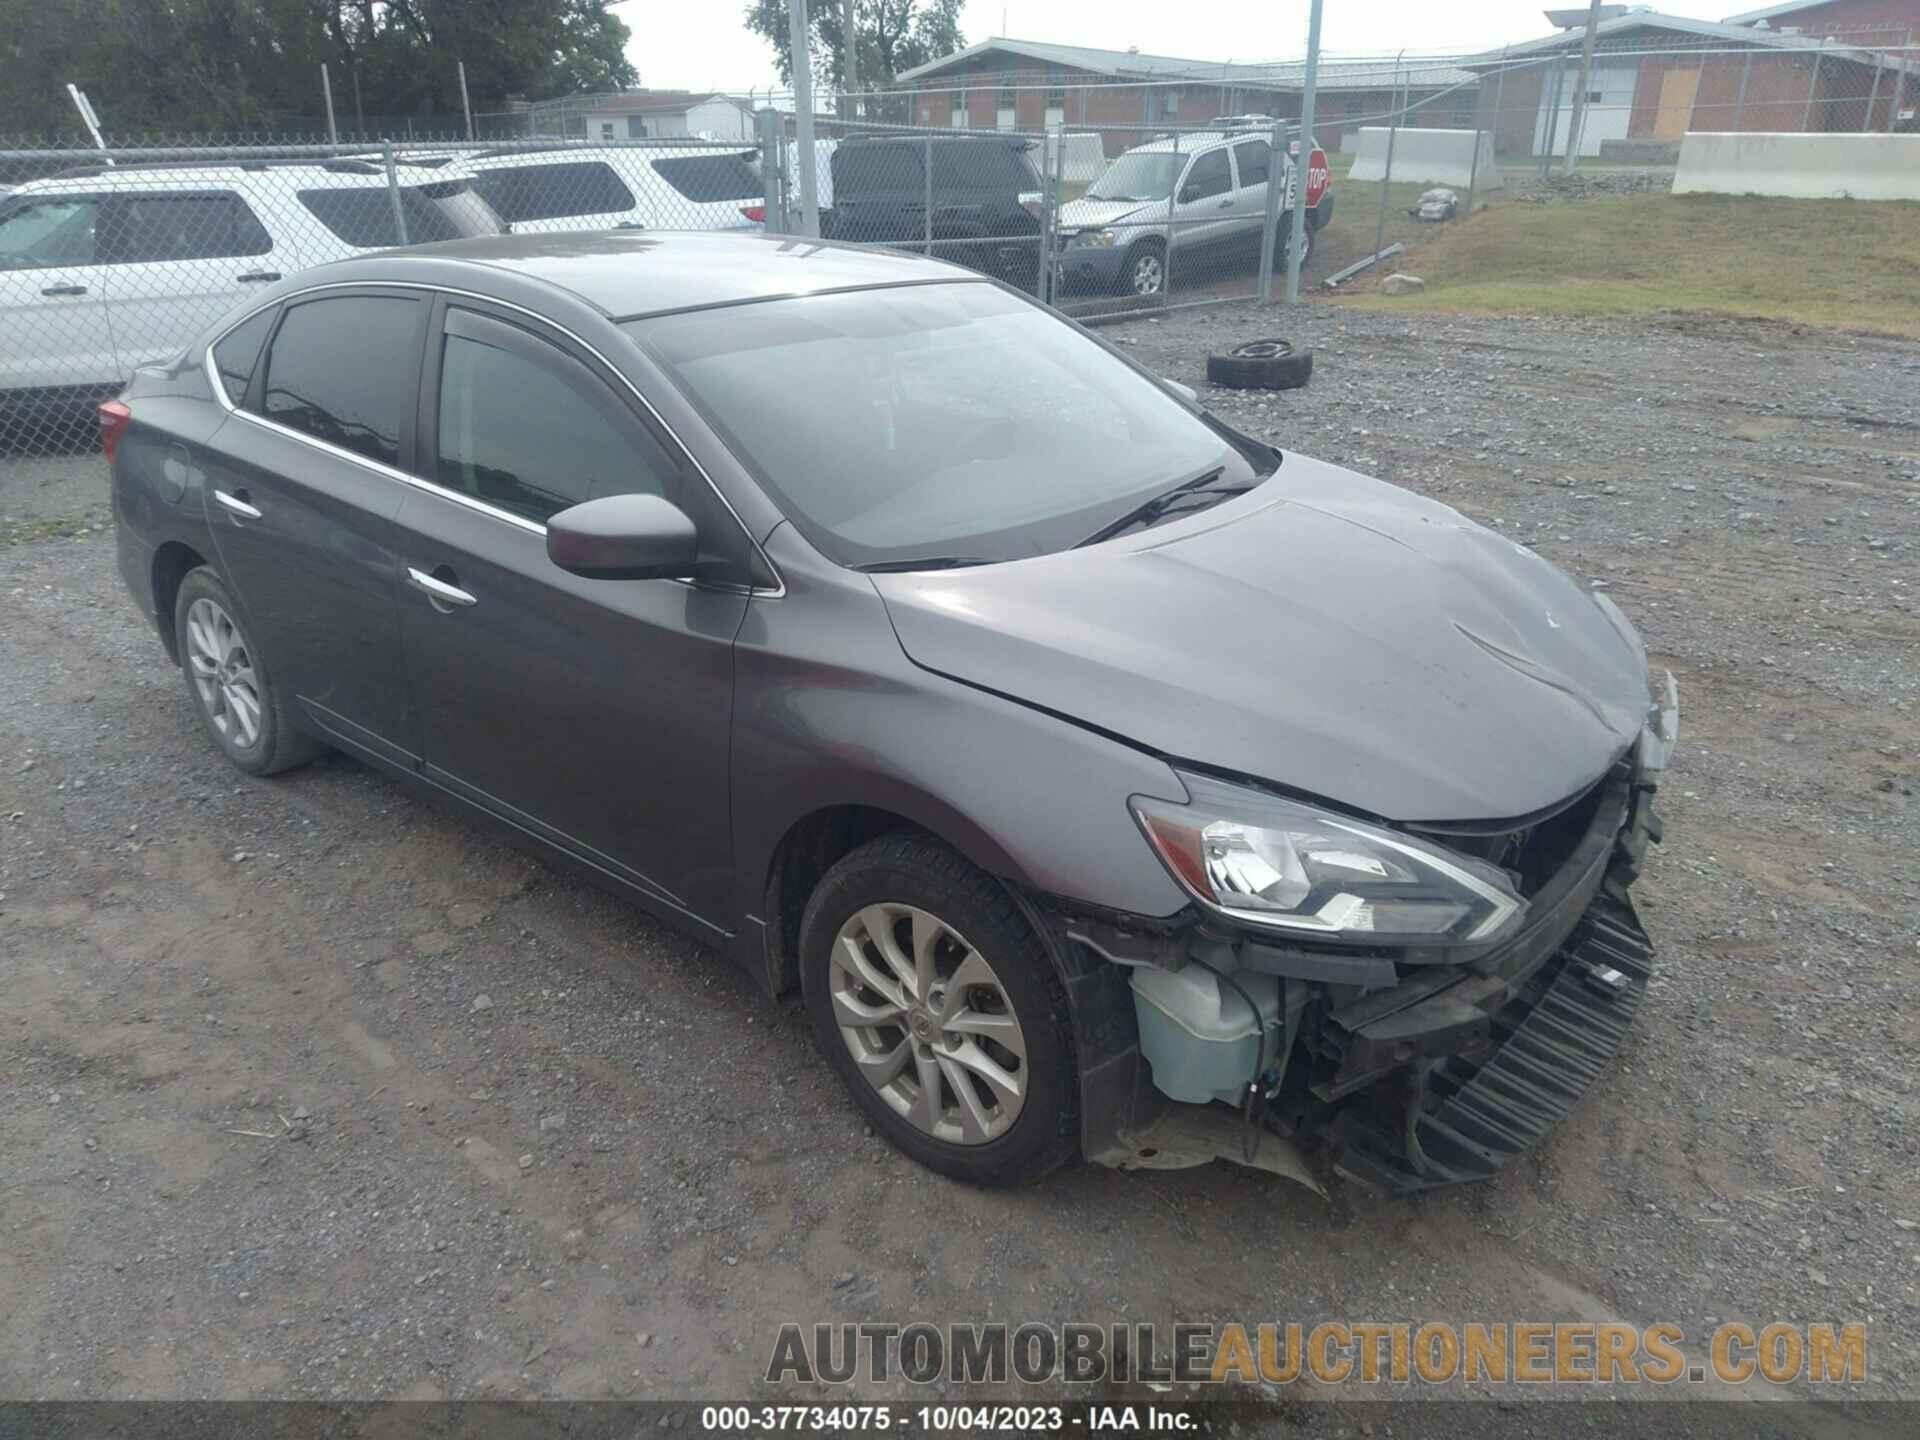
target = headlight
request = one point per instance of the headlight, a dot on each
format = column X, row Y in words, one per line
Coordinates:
column 1290, row 866
column 1103, row 239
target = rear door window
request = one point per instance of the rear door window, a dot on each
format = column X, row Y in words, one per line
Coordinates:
column 1254, row 158
column 553, row 192
column 345, row 370
column 181, row 227
column 706, row 178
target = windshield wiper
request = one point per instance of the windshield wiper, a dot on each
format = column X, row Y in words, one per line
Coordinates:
column 1145, row 514
column 922, row 562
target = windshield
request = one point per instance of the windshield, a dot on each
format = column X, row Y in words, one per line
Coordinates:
column 918, row 421
column 1144, row 175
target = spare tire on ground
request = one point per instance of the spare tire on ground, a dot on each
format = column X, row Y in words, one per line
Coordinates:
column 1261, row 365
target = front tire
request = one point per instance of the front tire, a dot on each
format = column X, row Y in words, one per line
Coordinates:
column 939, row 1010
column 1145, row 273
column 232, row 687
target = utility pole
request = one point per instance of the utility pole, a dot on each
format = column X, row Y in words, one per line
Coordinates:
column 803, row 118
column 1586, row 75
column 1303, row 168
column 465, row 103
column 326, row 90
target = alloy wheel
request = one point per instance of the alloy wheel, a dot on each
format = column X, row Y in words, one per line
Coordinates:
column 1148, row 273
column 929, row 1023
column 223, row 675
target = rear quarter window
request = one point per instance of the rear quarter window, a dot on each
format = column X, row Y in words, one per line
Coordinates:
column 705, row 178
column 865, row 169
column 238, row 352
column 553, row 192
column 989, row 166
column 363, row 215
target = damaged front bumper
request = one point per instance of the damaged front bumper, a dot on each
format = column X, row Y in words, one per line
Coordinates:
column 1411, row 1071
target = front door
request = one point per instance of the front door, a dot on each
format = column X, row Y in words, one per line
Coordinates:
column 1202, row 214
column 594, row 714
column 302, row 487
column 53, row 295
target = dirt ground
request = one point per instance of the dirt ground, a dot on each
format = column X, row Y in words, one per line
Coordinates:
column 310, row 1090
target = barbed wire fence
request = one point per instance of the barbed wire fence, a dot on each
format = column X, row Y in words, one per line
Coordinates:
column 1100, row 198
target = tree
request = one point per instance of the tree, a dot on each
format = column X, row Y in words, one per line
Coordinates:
column 204, row 66
column 892, row 35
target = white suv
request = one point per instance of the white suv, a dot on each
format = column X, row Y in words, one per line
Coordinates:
column 107, row 268
column 549, row 188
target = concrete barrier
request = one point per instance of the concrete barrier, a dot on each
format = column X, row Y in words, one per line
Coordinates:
column 1801, row 167
column 1430, row 157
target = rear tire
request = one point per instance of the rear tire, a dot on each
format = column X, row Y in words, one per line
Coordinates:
column 921, row 978
column 232, row 686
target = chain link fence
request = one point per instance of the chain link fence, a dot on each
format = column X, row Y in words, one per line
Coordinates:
column 1098, row 199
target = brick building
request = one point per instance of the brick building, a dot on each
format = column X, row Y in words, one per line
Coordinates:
column 1028, row 85
column 1836, row 66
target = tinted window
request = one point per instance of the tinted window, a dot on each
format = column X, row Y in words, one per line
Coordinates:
column 236, row 355
column 181, row 227
column 1254, row 157
column 363, row 215
column 858, row 168
column 345, row 371
column 711, row 177
column 982, row 167
column 533, row 436
column 34, row 233
column 551, row 192
column 954, row 419
column 1209, row 177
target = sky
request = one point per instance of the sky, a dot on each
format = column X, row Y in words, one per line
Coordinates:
column 705, row 44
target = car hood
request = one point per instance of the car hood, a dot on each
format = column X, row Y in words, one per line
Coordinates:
column 1327, row 632
column 1085, row 214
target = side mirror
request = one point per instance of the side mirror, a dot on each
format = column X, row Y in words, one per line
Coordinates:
column 623, row 537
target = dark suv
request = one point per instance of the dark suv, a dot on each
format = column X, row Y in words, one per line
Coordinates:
column 977, row 199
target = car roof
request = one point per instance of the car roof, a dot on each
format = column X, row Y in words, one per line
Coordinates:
column 91, row 178
column 630, row 273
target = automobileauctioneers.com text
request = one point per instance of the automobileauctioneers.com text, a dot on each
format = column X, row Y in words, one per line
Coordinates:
column 1331, row 1353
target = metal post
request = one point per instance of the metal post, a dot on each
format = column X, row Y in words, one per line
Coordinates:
column 1473, row 169
column 803, row 119
column 359, row 111
column 772, row 131
column 1386, row 178
column 851, row 45
column 326, row 89
column 1740, row 96
column 1499, row 98
column 465, row 103
column 1173, row 197
column 1580, row 98
column 393, row 192
column 1303, row 171
column 1813, row 88
column 1900, row 84
column 1269, row 232
column 1052, row 167
column 926, row 207
column 1873, row 96
column 1553, row 117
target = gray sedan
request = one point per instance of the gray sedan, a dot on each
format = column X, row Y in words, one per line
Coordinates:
column 1107, row 783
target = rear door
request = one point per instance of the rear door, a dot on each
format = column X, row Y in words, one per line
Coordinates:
column 181, row 259
column 303, row 484
column 1252, row 162
column 54, row 294
column 595, row 714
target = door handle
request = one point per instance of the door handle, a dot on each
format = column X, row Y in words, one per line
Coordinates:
column 436, row 589
column 64, row 290
column 258, row 277
column 1224, row 205
column 238, row 504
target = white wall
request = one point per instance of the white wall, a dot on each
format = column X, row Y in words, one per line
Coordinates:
column 720, row 118
column 1432, row 157
column 1804, row 167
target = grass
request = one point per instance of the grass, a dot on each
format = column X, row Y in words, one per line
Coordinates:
column 1840, row 264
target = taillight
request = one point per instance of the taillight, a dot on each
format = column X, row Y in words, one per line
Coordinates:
column 755, row 213
column 1034, row 202
column 115, row 417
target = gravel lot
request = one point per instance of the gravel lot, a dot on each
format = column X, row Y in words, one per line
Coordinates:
column 311, row 1090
